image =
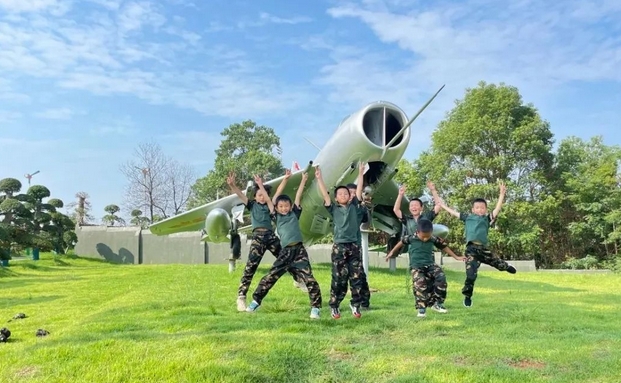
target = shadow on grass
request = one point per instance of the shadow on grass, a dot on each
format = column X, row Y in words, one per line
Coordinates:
column 11, row 302
column 6, row 272
column 486, row 280
column 25, row 280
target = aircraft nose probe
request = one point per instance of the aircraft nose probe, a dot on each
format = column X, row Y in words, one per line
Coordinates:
column 394, row 139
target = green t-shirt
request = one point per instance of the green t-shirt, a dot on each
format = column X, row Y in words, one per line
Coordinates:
column 421, row 253
column 477, row 227
column 259, row 215
column 346, row 221
column 288, row 226
column 410, row 224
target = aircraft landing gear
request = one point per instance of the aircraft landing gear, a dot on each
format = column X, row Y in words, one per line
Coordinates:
column 390, row 244
column 235, row 250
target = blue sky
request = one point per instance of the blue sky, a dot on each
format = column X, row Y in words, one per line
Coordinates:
column 82, row 83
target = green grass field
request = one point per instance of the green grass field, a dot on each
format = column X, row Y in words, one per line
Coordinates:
column 178, row 323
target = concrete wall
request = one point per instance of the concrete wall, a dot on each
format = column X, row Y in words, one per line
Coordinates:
column 113, row 244
column 137, row 246
column 175, row 248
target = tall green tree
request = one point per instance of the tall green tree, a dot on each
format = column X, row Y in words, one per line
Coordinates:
column 590, row 196
column 492, row 135
column 29, row 221
column 112, row 218
column 138, row 219
column 246, row 149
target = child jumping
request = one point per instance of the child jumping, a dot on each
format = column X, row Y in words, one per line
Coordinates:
column 263, row 237
column 293, row 256
column 428, row 279
column 363, row 215
column 477, row 228
column 346, row 259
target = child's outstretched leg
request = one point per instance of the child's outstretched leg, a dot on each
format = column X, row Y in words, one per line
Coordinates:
column 279, row 268
column 438, row 295
column 486, row 256
column 257, row 250
column 420, row 290
column 274, row 246
column 340, row 276
column 303, row 271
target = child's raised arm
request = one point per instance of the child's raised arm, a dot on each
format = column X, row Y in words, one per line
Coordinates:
column 259, row 183
column 298, row 195
column 360, row 186
column 230, row 180
column 322, row 187
column 449, row 210
column 397, row 208
column 501, row 198
column 282, row 185
column 436, row 197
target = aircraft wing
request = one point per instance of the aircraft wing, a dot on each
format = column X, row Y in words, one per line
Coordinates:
column 194, row 220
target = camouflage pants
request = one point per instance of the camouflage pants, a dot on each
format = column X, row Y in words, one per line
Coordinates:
column 475, row 255
column 261, row 242
column 293, row 259
column 346, row 267
column 428, row 285
column 365, row 292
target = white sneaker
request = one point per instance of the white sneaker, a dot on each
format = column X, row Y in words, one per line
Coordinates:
column 421, row 313
column 300, row 285
column 241, row 303
column 314, row 313
column 439, row 307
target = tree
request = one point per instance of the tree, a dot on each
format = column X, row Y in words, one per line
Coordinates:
column 246, row 149
column 138, row 219
column 29, row 221
column 157, row 184
column 589, row 195
column 492, row 135
column 111, row 218
column 82, row 208
column 9, row 187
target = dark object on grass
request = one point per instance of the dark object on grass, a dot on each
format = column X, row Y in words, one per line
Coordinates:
column 18, row 316
column 5, row 333
column 42, row 332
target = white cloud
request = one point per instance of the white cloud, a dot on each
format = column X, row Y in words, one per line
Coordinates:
column 136, row 15
column 25, row 145
column 533, row 45
column 28, row 5
column 9, row 116
column 56, row 114
column 264, row 16
column 266, row 19
column 122, row 127
column 109, row 4
column 112, row 53
column 7, row 93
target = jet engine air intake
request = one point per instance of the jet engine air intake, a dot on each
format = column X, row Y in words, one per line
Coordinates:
column 381, row 125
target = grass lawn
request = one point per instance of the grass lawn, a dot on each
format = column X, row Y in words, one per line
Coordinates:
column 178, row 323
